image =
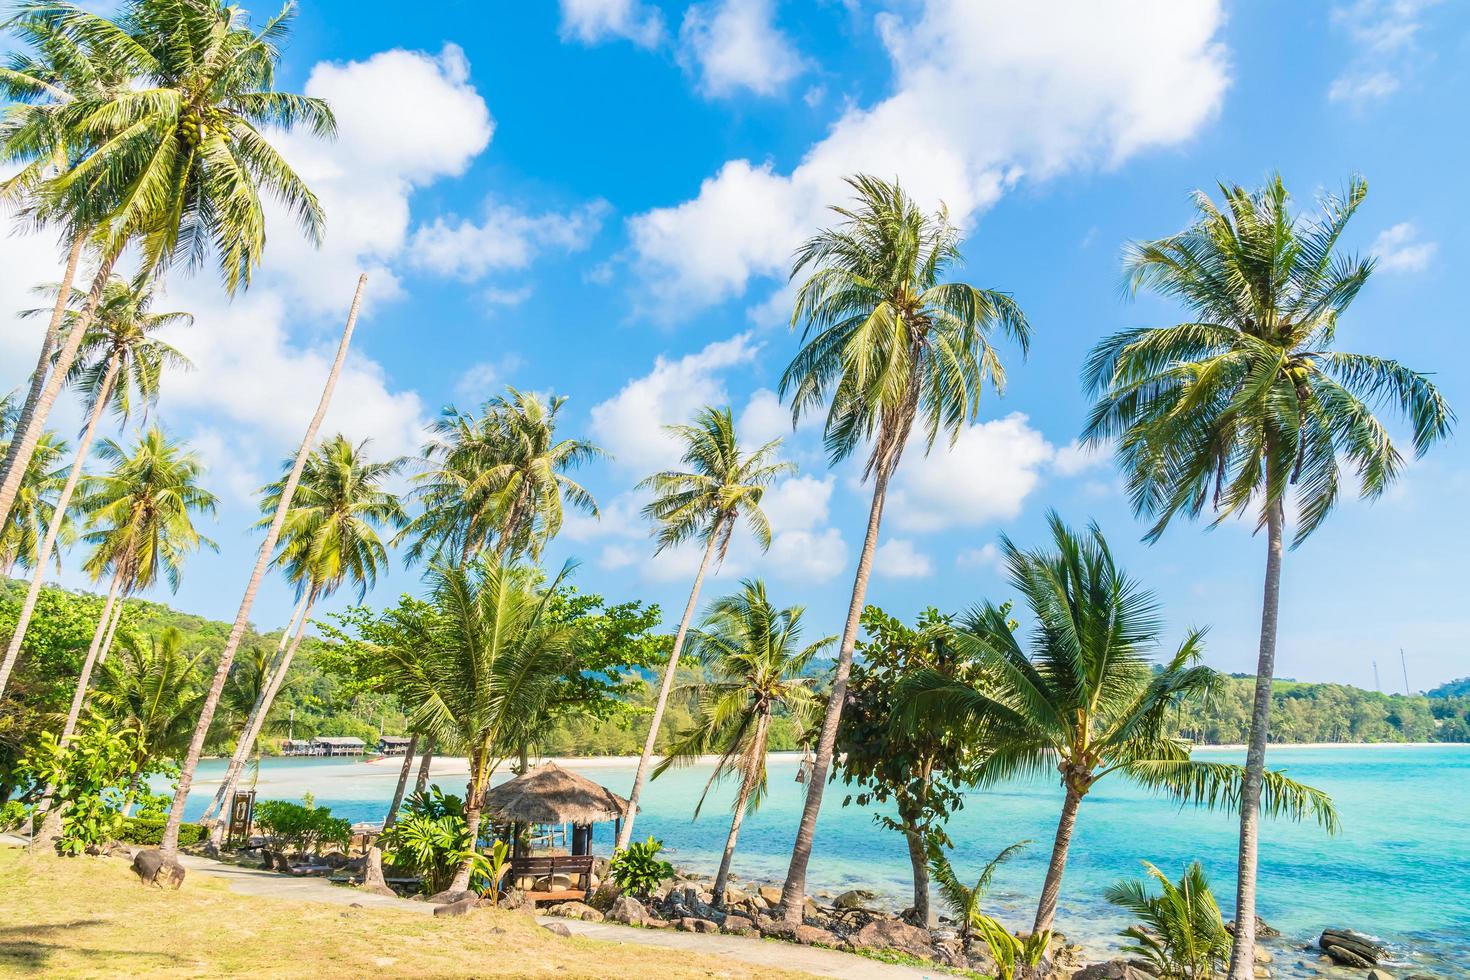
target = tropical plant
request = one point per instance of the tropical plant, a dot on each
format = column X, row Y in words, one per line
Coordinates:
column 637, row 869
column 85, row 775
column 1247, row 404
column 303, row 828
column 888, row 341
column 963, row 900
column 1014, row 955
column 1182, row 934
column 1088, row 701
column 31, row 517
column 755, row 659
column 431, row 840
column 500, row 477
column 721, row 485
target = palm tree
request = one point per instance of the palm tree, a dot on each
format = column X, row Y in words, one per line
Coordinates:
column 1247, row 403
column 752, row 651
column 889, row 342
column 721, row 485
column 152, row 688
column 964, row 900
column 120, row 363
column 35, row 508
column 498, row 477
column 1088, row 701
column 1183, row 934
column 330, row 538
column 489, row 659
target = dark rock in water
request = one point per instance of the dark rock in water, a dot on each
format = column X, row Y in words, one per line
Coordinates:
column 858, row 898
column 1263, row 931
column 153, row 867
column 1111, row 970
column 558, row 929
column 1351, row 948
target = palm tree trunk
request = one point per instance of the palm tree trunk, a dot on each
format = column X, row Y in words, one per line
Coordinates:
column 919, row 859
column 421, row 783
column 1242, row 949
column 641, row 776
column 1046, row 909
column 750, row 779
column 103, row 624
column 473, row 801
column 53, row 528
column 23, row 443
column 793, row 893
column 251, row 734
column 117, row 615
column 170, row 841
column 408, row 755
column 43, row 363
column 722, row 879
column 132, row 794
column 241, row 755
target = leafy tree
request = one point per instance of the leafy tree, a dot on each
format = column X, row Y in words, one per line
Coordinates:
column 888, row 341
column 86, row 774
column 923, row 769
column 1247, row 404
column 1182, row 934
column 721, row 485
column 754, row 652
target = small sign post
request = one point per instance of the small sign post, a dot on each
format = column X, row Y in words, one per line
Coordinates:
column 242, row 811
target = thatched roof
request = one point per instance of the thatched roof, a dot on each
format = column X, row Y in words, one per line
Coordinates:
column 551, row 794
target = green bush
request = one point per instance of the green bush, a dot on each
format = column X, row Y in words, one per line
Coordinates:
column 431, row 840
column 291, row 826
column 149, row 830
column 13, row 814
column 638, row 870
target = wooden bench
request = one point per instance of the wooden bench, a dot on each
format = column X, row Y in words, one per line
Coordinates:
column 578, row 867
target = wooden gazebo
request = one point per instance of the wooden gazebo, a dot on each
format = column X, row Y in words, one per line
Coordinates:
column 551, row 795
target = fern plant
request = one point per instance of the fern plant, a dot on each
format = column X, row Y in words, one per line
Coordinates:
column 1182, row 934
column 964, row 901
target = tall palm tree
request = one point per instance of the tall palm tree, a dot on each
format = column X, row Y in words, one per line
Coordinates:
column 1247, row 404
column 889, row 341
column 153, row 688
column 489, row 660
column 330, row 538
column 1088, row 701
column 35, row 509
column 120, row 364
column 753, row 652
column 720, row 486
column 500, row 477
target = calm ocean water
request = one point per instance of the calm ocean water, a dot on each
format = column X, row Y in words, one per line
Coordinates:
column 1400, row 869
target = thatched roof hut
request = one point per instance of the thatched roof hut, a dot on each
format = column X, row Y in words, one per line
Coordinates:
column 551, row 794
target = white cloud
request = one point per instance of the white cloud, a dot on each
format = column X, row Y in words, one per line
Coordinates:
column 484, row 379
column 594, row 21
column 763, row 419
column 506, row 239
column 630, row 425
column 1385, row 34
column 734, row 45
column 1398, row 249
column 898, row 558
column 985, row 556
column 1074, row 458
column 983, row 94
column 985, row 476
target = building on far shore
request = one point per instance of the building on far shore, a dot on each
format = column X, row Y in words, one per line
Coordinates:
column 393, row 744
column 338, row 745
column 296, row 746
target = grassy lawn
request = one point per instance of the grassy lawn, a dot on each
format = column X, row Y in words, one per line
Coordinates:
column 90, row 917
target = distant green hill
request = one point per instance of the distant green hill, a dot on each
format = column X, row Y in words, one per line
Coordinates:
column 1453, row 689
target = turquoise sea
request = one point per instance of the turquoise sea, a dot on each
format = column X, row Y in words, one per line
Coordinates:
column 1400, row 869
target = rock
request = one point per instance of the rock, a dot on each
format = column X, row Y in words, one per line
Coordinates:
column 602, row 899
column 893, row 934
column 153, row 867
column 1263, row 931
column 734, row 896
column 1111, row 970
column 336, row 859
column 576, row 910
column 737, row 925
column 458, row 907
column 372, row 888
column 804, row 934
column 655, row 923
column 858, row 898
column 1261, row 954
column 1376, row 974
column 770, row 894
column 448, row 896
column 691, row 924
column 1351, row 948
column 558, row 929
column 627, row 909
column 515, row 900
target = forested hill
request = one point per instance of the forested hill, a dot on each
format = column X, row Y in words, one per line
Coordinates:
column 317, row 700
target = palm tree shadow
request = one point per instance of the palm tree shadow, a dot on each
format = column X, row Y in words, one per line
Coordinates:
column 21, row 948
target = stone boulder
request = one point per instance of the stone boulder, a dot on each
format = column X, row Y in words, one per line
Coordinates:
column 893, row 934
column 458, row 907
column 1263, row 931
column 629, row 910
column 652, row 922
column 153, row 867
column 1112, row 970
column 576, row 910
column 558, row 929
column 690, row 924
column 516, row 900
column 603, row 897
column 735, row 896
column 1376, row 974
column 737, row 925
column 449, row 896
column 803, row 934
column 770, row 894
column 1350, row 948
column 858, row 898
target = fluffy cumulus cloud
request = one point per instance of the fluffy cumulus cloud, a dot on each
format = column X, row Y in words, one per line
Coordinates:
column 595, row 21
column 900, row 558
column 1385, row 38
column 734, row 45
column 1400, row 249
column 985, row 556
column 506, row 239
column 984, row 94
column 630, row 424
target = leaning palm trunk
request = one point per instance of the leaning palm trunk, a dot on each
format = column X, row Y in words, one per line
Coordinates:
column 474, row 801
column 639, row 777
column 53, row 529
column 793, row 893
column 23, row 444
column 1242, row 949
column 1046, row 909
column 748, row 784
column 241, row 755
column 170, row 840
column 408, row 757
column 251, row 734
column 421, row 782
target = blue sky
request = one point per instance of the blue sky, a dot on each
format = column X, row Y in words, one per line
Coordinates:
column 599, row 198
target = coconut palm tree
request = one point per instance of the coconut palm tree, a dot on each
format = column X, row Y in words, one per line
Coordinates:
column 489, row 659
column 500, row 477
column 153, row 688
column 721, row 485
column 1247, row 405
column 119, row 365
column 964, row 900
column 35, row 508
column 888, row 341
column 330, row 539
column 1182, row 935
column 753, row 652
column 1088, row 701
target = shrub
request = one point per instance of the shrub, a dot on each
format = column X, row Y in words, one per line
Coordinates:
column 13, row 814
column 86, row 772
column 638, row 870
column 149, row 830
column 431, row 840
column 1182, row 934
column 291, row 826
